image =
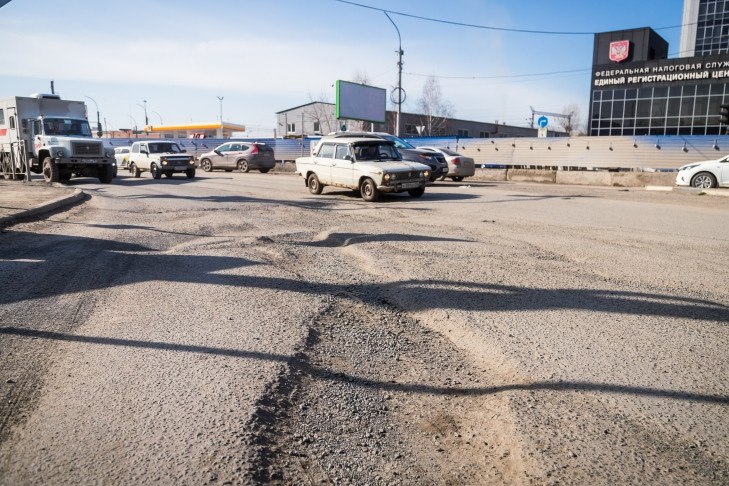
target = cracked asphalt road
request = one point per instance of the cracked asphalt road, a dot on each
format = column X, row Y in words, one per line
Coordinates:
column 235, row 329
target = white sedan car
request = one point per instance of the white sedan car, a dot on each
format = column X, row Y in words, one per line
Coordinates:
column 121, row 154
column 705, row 175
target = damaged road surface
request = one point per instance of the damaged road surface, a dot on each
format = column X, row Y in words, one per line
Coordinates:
column 235, row 329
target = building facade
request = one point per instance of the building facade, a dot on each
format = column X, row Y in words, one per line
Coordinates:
column 636, row 90
column 318, row 118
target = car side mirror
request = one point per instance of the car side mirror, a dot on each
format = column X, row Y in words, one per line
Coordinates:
column 144, row 151
column 183, row 151
column 348, row 157
column 217, row 152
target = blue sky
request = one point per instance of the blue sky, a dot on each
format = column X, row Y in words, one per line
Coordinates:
column 266, row 56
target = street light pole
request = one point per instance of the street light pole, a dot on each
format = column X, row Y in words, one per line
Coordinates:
column 160, row 117
column 399, row 76
column 220, row 98
column 99, row 133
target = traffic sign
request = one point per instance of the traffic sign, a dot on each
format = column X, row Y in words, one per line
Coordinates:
column 542, row 121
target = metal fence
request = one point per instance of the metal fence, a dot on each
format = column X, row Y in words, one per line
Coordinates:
column 636, row 153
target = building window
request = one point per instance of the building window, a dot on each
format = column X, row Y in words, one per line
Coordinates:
column 461, row 132
column 687, row 110
column 410, row 129
column 316, row 126
column 291, row 127
column 484, row 134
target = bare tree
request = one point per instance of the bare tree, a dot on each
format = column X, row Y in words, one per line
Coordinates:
column 321, row 112
column 573, row 124
column 435, row 111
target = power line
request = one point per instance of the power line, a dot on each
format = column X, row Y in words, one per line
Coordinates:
column 488, row 27
column 507, row 76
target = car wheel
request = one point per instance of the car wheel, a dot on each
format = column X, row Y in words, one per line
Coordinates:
column 417, row 192
column 135, row 170
column 156, row 173
column 51, row 172
column 264, row 171
column 190, row 173
column 703, row 180
column 168, row 174
column 206, row 165
column 313, row 184
column 457, row 179
column 243, row 165
column 369, row 190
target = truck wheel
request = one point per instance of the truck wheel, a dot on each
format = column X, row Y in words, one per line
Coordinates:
column 51, row 173
column 65, row 175
column 243, row 165
column 134, row 170
column 156, row 173
column 206, row 165
column 369, row 191
column 190, row 173
column 313, row 184
column 105, row 174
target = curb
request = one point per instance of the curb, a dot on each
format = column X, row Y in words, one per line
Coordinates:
column 690, row 190
column 45, row 207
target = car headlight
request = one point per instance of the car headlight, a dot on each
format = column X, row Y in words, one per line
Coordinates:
column 192, row 161
column 60, row 153
column 688, row 167
column 108, row 154
column 426, row 173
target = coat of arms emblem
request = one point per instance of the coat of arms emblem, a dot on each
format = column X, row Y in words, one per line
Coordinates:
column 619, row 50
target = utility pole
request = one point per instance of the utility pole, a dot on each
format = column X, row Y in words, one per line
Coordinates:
column 400, row 92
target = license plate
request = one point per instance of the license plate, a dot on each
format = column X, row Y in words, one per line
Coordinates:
column 410, row 185
column 92, row 161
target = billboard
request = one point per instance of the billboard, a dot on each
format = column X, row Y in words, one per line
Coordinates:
column 360, row 102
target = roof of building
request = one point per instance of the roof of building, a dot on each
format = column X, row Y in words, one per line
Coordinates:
column 196, row 126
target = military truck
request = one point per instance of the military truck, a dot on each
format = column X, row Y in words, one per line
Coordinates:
column 44, row 134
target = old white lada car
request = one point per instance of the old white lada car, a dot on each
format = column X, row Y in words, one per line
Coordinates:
column 369, row 166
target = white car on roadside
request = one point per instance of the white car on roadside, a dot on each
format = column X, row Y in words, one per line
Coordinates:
column 705, row 175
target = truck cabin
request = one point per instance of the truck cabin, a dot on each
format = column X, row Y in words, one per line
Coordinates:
column 69, row 127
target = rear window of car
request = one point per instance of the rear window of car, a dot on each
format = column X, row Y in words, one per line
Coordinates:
column 263, row 147
column 327, row 151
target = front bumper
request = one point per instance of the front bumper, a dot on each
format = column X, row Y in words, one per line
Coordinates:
column 400, row 186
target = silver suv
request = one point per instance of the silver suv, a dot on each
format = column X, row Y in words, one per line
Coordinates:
column 367, row 165
column 436, row 162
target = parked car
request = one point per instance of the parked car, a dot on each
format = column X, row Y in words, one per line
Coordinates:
column 121, row 154
column 160, row 157
column 436, row 162
column 458, row 165
column 367, row 165
column 706, row 174
column 243, row 156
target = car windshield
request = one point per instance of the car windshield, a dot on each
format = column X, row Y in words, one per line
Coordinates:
column 66, row 126
column 399, row 142
column 164, row 147
column 375, row 151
